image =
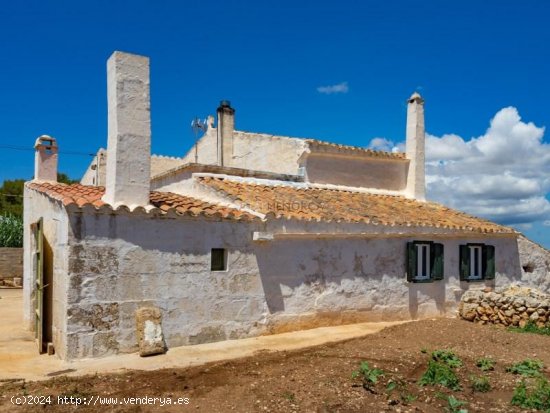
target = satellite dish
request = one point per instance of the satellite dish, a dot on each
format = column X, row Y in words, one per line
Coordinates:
column 198, row 125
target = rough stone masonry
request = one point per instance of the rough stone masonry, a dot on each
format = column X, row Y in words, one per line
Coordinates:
column 514, row 306
column 11, row 266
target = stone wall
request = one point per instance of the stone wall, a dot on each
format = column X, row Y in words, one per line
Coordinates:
column 514, row 306
column 11, row 266
column 535, row 264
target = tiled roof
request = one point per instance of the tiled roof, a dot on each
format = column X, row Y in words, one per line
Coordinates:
column 166, row 202
column 308, row 203
column 291, row 202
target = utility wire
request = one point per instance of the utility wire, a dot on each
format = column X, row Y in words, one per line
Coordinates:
column 7, row 195
column 25, row 148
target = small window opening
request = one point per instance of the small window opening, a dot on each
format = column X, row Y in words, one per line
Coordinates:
column 218, row 259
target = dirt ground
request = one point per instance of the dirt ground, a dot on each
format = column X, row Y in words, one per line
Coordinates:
column 317, row 379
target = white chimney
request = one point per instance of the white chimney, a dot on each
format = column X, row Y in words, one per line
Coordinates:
column 45, row 159
column 226, row 126
column 415, row 148
column 128, row 171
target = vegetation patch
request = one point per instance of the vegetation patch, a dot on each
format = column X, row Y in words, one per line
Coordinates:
column 533, row 395
column 368, row 375
column 527, row 368
column 400, row 388
column 447, row 357
column 486, row 364
column 11, row 231
column 531, row 327
column 440, row 373
column 440, row 370
column 455, row 405
column 480, row 384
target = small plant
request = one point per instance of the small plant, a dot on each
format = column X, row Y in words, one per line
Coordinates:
column 368, row 375
column 400, row 386
column 441, row 370
column 289, row 396
column 527, row 368
column 535, row 396
column 455, row 405
column 531, row 327
column 448, row 357
column 480, row 384
column 424, row 350
column 485, row 364
column 440, row 373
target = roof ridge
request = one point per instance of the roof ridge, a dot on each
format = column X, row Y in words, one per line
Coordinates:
column 175, row 158
column 384, row 154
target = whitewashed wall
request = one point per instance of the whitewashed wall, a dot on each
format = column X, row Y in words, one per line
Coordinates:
column 535, row 262
column 120, row 262
column 254, row 151
column 357, row 171
column 55, row 223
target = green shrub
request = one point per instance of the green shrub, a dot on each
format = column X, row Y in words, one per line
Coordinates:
column 368, row 375
column 440, row 373
column 11, row 231
column 527, row 368
column 485, row 364
column 531, row 396
column 448, row 357
column 480, row 384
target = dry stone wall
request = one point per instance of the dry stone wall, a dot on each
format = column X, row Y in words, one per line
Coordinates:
column 11, row 266
column 514, row 306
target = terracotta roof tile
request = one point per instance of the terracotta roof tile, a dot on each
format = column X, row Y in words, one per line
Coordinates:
column 285, row 201
column 82, row 195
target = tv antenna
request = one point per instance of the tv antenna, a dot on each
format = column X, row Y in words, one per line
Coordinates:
column 198, row 125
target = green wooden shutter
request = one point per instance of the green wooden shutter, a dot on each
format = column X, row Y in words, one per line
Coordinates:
column 488, row 262
column 436, row 264
column 464, row 262
column 411, row 261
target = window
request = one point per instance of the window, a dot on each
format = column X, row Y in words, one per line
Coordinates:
column 477, row 262
column 424, row 261
column 218, row 259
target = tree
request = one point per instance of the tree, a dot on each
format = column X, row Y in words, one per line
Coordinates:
column 64, row 179
column 11, row 198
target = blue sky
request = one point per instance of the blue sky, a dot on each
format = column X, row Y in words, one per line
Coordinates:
column 474, row 63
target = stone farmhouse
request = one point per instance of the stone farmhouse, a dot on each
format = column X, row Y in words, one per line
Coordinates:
column 247, row 234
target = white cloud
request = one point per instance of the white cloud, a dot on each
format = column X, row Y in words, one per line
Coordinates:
column 338, row 88
column 383, row 144
column 502, row 175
